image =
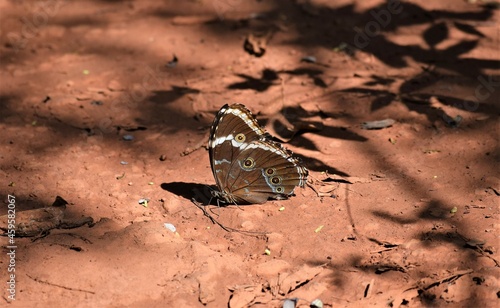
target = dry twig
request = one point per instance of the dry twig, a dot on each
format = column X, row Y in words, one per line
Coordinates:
column 59, row 286
column 227, row 229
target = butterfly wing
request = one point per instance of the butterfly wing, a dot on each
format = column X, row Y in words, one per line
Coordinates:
column 238, row 125
column 248, row 167
column 264, row 170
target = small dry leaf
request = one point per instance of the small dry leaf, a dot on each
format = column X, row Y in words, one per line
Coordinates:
column 318, row 229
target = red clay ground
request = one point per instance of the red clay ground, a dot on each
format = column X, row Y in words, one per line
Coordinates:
column 406, row 216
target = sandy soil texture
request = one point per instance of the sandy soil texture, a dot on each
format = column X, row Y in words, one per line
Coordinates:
column 105, row 103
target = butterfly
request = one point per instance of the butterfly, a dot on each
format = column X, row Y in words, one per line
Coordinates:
column 248, row 166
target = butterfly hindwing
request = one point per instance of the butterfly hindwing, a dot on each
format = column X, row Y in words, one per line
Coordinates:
column 264, row 170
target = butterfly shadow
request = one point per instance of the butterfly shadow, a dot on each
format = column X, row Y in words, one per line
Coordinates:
column 200, row 193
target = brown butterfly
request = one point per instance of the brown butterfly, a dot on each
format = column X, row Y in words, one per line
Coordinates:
column 248, row 166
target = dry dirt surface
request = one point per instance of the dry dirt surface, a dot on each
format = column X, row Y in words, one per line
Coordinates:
column 105, row 103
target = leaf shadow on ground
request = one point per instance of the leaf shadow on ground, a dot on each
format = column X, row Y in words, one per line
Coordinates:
column 331, row 35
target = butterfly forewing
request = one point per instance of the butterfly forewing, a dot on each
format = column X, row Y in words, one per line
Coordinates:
column 231, row 123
